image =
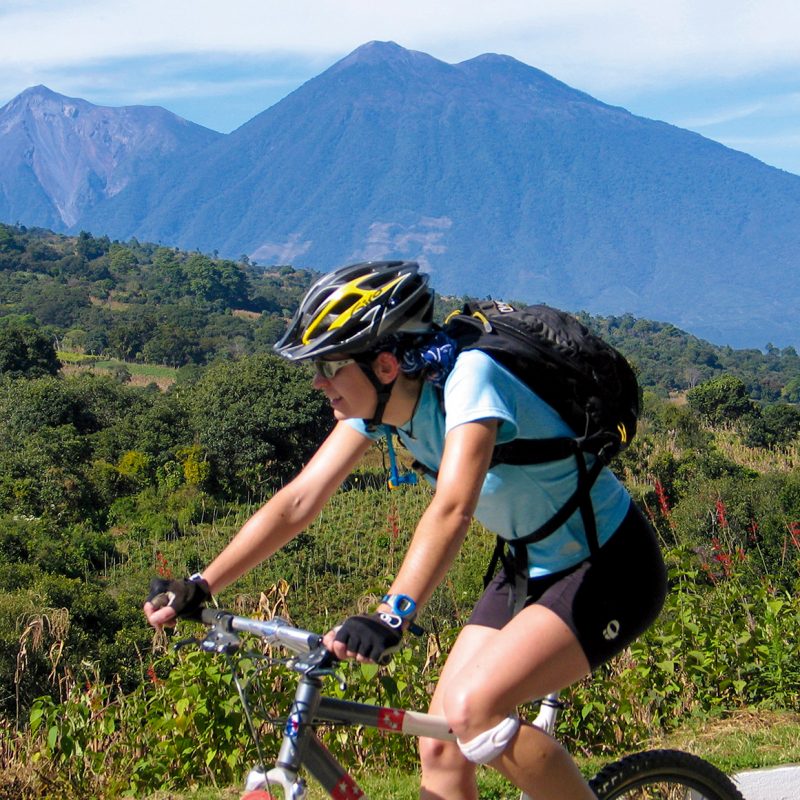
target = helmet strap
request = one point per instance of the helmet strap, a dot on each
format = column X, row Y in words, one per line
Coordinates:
column 383, row 390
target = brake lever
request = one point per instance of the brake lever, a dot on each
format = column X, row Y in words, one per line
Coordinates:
column 186, row 643
column 220, row 641
column 317, row 663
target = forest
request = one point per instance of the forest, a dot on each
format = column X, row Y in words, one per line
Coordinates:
column 145, row 303
column 107, row 481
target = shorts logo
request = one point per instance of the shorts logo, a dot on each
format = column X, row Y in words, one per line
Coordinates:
column 611, row 630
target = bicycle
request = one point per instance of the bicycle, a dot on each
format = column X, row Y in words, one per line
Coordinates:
column 648, row 775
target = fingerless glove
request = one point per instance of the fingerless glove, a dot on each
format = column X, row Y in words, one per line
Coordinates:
column 186, row 596
column 375, row 636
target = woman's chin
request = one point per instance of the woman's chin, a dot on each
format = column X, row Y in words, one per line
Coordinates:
column 340, row 414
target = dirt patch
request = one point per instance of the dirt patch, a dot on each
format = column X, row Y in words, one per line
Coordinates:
column 162, row 382
column 145, row 380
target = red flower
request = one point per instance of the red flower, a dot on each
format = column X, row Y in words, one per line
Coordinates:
column 722, row 514
column 794, row 532
column 752, row 532
column 162, row 566
column 394, row 524
column 663, row 500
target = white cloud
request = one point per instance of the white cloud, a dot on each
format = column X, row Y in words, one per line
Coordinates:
column 767, row 107
column 779, row 140
column 589, row 42
column 219, row 63
column 721, row 116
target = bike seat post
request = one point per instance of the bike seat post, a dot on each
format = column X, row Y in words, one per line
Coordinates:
column 548, row 713
column 298, row 724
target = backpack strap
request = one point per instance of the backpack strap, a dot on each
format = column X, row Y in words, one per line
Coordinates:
column 540, row 451
column 535, row 451
column 513, row 554
column 579, row 499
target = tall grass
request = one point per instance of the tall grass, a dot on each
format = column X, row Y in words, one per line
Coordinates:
column 725, row 642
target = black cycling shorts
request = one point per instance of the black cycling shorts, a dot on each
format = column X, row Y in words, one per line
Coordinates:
column 607, row 601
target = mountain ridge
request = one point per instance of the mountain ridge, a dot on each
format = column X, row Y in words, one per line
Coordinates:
column 77, row 153
column 499, row 179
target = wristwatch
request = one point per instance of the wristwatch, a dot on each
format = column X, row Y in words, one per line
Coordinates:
column 405, row 608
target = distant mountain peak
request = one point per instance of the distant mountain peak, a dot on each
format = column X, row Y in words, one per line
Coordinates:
column 496, row 58
column 517, row 71
column 377, row 52
column 40, row 90
column 68, row 154
column 36, row 95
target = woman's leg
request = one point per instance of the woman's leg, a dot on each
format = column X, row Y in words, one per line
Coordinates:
column 534, row 654
column 498, row 663
column 446, row 774
column 488, row 674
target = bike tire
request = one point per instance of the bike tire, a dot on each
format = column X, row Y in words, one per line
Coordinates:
column 663, row 775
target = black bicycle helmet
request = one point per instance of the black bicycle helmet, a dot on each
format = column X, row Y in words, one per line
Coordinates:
column 351, row 309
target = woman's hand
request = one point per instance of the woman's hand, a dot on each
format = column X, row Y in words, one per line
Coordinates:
column 168, row 600
column 366, row 638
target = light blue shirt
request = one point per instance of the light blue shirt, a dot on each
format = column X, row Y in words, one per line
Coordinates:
column 514, row 500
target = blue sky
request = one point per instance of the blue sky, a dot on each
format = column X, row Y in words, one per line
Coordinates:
column 728, row 69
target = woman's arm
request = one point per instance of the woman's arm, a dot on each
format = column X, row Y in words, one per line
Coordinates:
column 284, row 515
column 442, row 528
column 436, row 541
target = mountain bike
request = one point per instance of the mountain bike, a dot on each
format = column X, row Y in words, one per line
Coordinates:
column 649, row 775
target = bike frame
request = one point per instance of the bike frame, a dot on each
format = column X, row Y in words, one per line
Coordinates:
column 300, row 746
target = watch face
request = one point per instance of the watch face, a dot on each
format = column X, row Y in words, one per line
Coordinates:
column 405, row 605
column 401, row 604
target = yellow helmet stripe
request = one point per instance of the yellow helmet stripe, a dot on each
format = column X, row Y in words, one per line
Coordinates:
column 365, row 296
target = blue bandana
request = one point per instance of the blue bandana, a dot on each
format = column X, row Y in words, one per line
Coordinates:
column 437, row 357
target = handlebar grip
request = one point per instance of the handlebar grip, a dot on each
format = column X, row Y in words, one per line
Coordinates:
column 209, row 616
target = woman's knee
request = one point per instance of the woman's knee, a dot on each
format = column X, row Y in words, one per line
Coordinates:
column 437, row 755
column 470, row 710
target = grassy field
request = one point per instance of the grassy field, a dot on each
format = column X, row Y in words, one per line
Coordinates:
column 740, row 741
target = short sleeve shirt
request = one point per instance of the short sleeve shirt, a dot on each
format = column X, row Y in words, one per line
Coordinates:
column 514, row 500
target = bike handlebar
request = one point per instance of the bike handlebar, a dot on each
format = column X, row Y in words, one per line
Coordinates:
column 273, row 631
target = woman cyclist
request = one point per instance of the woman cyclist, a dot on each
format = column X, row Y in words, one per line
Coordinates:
column 379, row 359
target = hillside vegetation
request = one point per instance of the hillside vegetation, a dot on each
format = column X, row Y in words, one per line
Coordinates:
column 104, row 484
column 149, row 304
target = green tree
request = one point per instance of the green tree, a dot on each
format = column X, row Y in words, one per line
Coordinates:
column 9, row 242
column 791, row 391
column 258, row 419
column 776, row 425
column 26, row 352
column 215, row 281
column 171, row 345
column 127, row 337
column 721, row 401
column 90, row 248
column 121, row 259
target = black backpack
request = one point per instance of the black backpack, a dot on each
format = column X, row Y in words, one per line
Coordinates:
column 587, row 381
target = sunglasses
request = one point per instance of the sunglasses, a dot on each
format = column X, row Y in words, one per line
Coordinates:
column 328, row 369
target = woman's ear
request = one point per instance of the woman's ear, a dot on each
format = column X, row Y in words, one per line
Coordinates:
column 386, row 367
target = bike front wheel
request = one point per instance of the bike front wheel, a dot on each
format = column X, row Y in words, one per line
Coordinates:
column 663, row 775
